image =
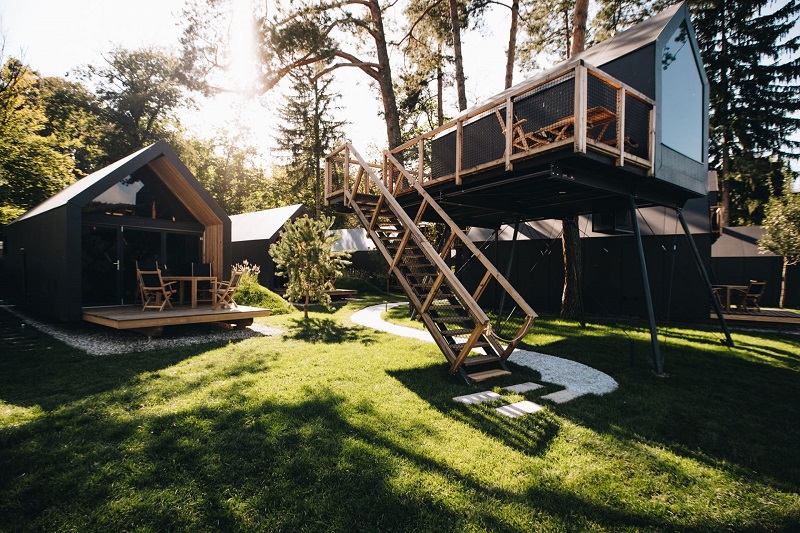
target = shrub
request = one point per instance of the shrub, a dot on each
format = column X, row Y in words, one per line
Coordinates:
column 252, row 293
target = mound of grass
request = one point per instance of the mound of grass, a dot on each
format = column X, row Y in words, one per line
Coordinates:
column 253, row 294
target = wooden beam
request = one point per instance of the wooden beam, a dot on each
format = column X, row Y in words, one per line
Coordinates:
column 621, row 125
column 459, row 147
column 509, row 133
column 581, row 93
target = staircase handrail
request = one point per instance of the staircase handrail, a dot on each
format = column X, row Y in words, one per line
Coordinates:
column 432, row 255
column 501, row 280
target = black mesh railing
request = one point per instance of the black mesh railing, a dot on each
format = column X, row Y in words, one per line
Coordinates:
column 637, row 127
column 601, row 111
column 544, row 114
column 483, row 142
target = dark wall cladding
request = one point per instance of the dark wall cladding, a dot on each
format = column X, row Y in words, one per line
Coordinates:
column 612, row 284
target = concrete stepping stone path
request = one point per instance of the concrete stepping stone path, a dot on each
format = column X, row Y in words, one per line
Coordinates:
column 518, row 409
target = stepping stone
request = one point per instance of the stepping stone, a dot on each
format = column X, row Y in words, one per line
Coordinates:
column 478, row 397
column 562, row 396
column 524, row 387
column 518, row 409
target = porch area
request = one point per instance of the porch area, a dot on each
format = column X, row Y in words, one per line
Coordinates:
column 131, row 317
column 772, row 318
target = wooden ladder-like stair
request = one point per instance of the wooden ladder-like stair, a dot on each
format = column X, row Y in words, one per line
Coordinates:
column 458, row 325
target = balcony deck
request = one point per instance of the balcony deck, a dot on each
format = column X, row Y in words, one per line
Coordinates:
column 152, row 322
column 550, row 147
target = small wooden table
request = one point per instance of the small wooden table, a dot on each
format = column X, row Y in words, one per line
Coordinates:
column 728, row 290
column 597, row 116
column 193, row 280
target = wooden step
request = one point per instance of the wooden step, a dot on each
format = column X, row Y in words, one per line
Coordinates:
column 459, row 345
column 486, row 374
column 480, row 360
column 446, row 308
column 452, row 319
column 456, row 332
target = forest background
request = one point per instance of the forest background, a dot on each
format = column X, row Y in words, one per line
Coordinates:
column 251, row 94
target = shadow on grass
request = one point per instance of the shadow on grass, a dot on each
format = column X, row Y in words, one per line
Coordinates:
column 719, row 405
column 38, row 370
column 328, row 331
column 530, row 435
column 258, row 465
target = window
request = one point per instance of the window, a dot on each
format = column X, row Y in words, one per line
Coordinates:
column 681, row 97
column 140, row 195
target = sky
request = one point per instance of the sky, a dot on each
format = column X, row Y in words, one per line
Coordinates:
column 55, row 37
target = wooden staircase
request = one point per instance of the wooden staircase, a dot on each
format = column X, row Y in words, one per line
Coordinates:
column 459, row 326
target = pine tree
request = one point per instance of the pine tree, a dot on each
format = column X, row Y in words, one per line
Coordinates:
column 308, row 133
column 304, row 255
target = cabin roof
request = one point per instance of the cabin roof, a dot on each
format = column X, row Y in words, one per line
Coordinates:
column 263, row 225
column 739, row 241
column 621, row 44
column 163, row 162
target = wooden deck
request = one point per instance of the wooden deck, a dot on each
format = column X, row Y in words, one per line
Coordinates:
column 152, row 322
column 777, row 318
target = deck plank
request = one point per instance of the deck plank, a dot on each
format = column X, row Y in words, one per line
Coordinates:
column 132, row 316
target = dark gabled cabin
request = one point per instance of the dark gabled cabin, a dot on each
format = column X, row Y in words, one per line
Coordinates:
column 253, row 233
column 78, row 249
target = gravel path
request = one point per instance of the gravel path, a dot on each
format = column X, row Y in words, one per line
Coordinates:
column 98, row 340
column 574, row 376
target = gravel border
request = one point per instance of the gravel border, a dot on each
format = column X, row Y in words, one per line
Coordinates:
column 574, row 376
column 99, row 340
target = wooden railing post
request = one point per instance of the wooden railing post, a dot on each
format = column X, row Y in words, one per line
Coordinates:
column 509, row 131
column 459, row 146
column 421, row 170
column 621, row 125
column 346, row 185
column 580, row 108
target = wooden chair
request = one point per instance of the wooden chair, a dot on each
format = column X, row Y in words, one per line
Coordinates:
column 748, row 299
column 223, row 291
column 148, row 265
column 520, row 139
column 204, row 289
column 155, row 293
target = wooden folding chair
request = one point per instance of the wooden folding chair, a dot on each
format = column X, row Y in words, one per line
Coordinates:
column 155, row 293
column 224, row 290
column 749, row 299
column 520, row 139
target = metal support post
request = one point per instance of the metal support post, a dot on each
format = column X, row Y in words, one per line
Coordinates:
column 508, row 275
column 699, row 262
column 658, row 362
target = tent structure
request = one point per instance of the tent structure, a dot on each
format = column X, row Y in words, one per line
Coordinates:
column 253, row 233
column 79, row 248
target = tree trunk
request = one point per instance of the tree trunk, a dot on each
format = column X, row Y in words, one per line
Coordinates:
column 512, row 43
column 391, row 115
column 571, row 302
column 783, row 283
column 579, row 18
column 439, row 87
column 317, row 153
column 456, row 28
column 305, row 307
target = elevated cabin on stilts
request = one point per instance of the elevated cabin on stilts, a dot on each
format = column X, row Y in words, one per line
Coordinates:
column 620, row 126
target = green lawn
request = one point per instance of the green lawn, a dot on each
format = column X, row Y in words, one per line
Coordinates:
column 335, row 427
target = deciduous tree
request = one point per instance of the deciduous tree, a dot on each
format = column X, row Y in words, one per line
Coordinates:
column 782, row 229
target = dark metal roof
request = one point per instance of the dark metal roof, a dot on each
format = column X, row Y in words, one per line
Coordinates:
column 621, row 44
column 739, row 241
column 85, row 190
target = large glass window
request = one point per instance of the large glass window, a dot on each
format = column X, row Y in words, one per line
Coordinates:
column 681, row 97
column 140, row 195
